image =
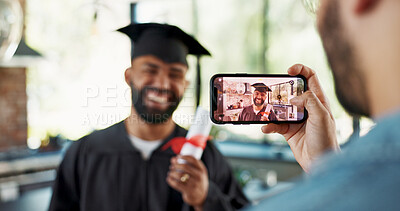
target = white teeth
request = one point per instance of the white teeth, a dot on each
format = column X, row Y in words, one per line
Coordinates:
column 157, row 99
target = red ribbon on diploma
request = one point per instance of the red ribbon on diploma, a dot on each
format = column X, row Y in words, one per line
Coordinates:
column 177, row 143
column 265, row 113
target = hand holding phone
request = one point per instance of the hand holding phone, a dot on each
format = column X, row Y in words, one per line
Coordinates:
column 310, row 139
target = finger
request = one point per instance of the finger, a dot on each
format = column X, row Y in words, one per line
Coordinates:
column 175, row 184
column 274, row 128
column 182, row 168
column 311, row 102
column 177, row 175
column 287, row 130
column 198, row 164
column 187, row 158
column 309, row 74
column 312, row 81
column 177, row 160
column 300, row 69
column 186, row 168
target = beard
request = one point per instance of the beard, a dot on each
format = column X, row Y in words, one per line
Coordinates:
column 258, row 104
column 153, row 115
column 349, row 81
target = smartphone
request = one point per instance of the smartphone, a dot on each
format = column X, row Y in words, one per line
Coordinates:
column 256, row 98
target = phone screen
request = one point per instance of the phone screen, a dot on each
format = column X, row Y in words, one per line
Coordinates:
column 256, row 98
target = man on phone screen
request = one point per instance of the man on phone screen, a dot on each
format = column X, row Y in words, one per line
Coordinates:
column 257, row 111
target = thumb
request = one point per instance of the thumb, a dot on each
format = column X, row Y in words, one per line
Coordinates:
column 311, row 102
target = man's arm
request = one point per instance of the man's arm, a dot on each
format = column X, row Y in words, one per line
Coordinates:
column 310, row 139
column 211, row 188
column 66, row 185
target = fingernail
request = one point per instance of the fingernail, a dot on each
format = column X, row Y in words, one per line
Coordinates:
column 262, row 128
column 181, row 161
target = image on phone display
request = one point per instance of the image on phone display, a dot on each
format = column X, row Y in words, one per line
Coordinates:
column 256, row 99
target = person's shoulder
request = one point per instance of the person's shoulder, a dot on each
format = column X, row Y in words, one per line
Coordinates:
column 346, row 173
column 110, row 131
column 107, row 138
column 365, row 171
column 248, row 108
column 212, row 155
column 179, row 131
column 210, row 147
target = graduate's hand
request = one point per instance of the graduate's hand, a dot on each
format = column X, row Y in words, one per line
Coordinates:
column 317, row 134
column 194, row 188
column 263, row 118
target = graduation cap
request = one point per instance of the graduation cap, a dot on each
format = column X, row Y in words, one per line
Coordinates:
column 168, row 43
column 261, row 87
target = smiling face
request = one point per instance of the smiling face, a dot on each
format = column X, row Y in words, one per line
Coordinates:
column 157, row 87
column 259, row 98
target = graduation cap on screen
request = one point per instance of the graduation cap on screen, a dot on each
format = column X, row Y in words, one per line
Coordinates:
column 261, row 87
column 168, row 43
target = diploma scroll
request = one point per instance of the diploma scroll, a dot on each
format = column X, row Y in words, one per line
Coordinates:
column 197, row 135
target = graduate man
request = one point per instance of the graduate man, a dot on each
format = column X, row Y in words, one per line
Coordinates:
column 255, row 112
column 127, row 166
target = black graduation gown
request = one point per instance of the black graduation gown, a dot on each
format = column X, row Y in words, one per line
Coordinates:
column 248, row 114
column 104, row 171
